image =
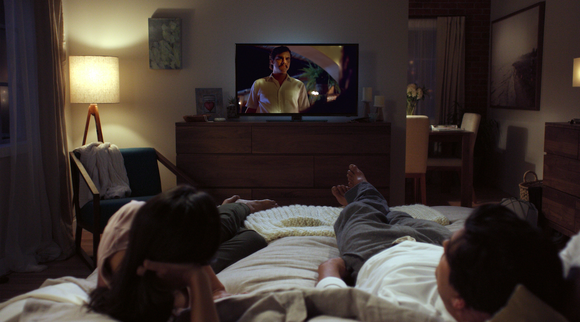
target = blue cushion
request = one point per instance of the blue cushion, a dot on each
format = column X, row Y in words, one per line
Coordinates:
column 108, row 209
column 142, row 171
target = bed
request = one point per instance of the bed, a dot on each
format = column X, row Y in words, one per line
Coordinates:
column 274, row 284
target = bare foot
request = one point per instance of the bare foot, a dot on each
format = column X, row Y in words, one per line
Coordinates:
column 258, row 205
column 338, row 192
column 231, row 199
column 355, row 176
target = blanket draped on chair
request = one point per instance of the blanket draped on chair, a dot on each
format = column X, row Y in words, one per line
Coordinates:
column 106, row 167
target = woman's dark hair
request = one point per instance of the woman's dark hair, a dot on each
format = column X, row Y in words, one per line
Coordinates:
column 498, row 251
column 176, row 226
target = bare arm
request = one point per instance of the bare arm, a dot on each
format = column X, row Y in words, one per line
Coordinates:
column 193, row 276
column 217, row 288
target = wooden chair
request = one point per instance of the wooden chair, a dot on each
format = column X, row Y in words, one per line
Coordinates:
column 417, row 146
column 144, row 181
column 470, row 122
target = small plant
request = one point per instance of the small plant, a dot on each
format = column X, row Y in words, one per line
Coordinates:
column 314, row 75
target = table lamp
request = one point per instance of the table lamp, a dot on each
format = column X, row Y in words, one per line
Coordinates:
column 576, row 73
column 94, row 79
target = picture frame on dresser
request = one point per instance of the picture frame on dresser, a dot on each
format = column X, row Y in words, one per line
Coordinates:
column 516, row 59
column 208, row 101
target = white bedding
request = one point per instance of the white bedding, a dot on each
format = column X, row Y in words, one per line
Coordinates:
column 278, row 282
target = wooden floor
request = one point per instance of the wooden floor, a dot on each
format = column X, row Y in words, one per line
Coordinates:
column 19, row 283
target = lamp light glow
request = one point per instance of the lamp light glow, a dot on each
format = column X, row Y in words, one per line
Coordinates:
column 94, row 79
column 576, row 72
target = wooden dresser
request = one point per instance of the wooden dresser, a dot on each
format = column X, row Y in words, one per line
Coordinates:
column 290, row 162
column 561, row 182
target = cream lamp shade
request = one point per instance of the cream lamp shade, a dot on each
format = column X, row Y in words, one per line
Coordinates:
column 576, row 71
column 94, row 79
column 379, row 101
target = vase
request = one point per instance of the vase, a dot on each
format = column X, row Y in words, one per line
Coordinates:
column 411, row 107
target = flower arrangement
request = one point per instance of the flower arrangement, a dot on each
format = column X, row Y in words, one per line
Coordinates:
column 414, row 94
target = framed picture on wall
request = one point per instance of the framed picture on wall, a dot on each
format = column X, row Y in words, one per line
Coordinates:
column 165, row 43
column 516, row 59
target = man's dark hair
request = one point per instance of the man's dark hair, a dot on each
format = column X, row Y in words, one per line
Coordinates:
column 276, row 51
column 498, row 251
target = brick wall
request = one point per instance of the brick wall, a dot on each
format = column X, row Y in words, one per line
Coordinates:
column 477, row 35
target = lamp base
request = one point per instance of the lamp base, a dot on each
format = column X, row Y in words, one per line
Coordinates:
column 94, row 111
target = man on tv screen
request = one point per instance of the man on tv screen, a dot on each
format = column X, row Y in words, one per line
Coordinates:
column 279, row 92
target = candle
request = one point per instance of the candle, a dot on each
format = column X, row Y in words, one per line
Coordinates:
column 379, row 101
column 367, row 94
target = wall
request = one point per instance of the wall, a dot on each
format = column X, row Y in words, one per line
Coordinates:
column 153, row 100
column 521, row 141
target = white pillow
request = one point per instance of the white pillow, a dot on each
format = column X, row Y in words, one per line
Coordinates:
column 570, row 255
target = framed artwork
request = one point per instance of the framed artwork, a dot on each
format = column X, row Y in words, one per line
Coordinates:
column 165, row 43
column 516, row 59
column 208, row 100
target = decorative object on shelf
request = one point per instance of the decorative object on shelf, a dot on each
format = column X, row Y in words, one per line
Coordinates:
column 195, row 118
column 576, row 73
column 94, row 79
column 516, row 66
column 232, row 109
column 208, row 101
column 414, row 95
column 165, row 43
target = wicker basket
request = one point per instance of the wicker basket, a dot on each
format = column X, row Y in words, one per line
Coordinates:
column 526, row 185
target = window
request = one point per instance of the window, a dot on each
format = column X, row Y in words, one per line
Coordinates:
column 422, row 61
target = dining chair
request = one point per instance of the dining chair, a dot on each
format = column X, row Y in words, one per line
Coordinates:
column 417, row 147
column 470, row 122
column 142, row 169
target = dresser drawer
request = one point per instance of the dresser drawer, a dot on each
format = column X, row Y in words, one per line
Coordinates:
column 562, row 174
column 321, row 139
column 561, row 210
column 562, row 141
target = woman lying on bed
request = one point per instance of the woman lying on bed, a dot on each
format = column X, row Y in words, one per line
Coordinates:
column 169, row 248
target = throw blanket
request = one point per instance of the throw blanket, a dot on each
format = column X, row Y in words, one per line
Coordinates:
column 105, row 165
column 299, row 220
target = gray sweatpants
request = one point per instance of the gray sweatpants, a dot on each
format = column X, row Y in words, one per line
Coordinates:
column 366, row 227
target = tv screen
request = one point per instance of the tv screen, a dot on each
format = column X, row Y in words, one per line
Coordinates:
column 297, row 79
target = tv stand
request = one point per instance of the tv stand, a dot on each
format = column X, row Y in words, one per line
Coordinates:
column 297, row 118
column 292, row 162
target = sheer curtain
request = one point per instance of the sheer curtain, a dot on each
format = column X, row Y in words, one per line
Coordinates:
column 450, row 69
column 37, row 227
column 422, row 61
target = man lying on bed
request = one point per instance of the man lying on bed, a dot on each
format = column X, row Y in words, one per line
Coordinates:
column 400, row 258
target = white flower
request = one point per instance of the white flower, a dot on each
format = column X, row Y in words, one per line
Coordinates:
column 415, row 93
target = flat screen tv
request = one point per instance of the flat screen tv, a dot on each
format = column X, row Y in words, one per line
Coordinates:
column 328, row 72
